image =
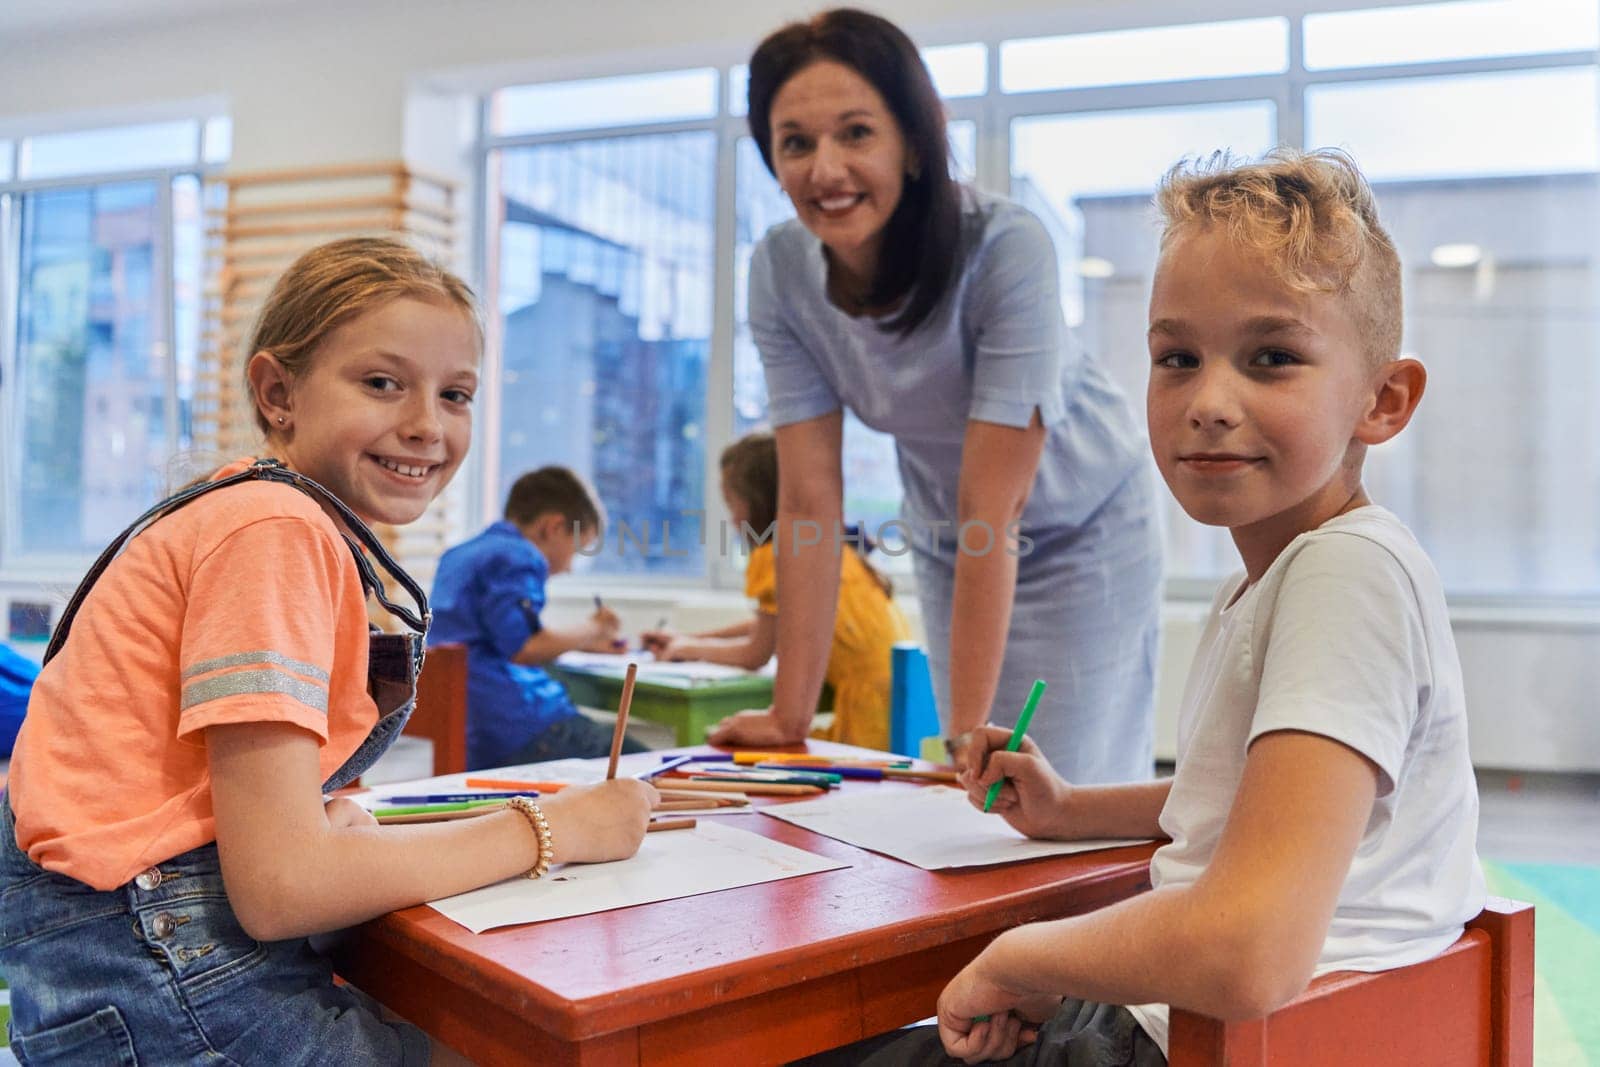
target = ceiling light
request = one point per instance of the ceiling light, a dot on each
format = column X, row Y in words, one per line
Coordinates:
column 1456, row 255
column 1095, row 267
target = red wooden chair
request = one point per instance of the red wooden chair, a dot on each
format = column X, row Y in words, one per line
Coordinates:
column 1472, row 1005
column 441, row 711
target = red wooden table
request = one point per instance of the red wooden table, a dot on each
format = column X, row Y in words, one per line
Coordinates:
column 760, row 974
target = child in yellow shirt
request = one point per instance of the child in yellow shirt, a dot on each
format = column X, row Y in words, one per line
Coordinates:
column 868, row 622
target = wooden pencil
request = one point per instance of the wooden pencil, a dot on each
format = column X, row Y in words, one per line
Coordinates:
column 670, row 824
column 750, row 788
column 721, row 800
column 622, row 719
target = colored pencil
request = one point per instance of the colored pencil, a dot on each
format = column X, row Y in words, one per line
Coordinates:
column 750, row 788
column 439, row 816
column 511, row 784
column 622, row 719
column 455, row 798
column 666, row 765
column 670, row 824
column 419, row 809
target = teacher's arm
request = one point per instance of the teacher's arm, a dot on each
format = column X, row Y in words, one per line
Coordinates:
column 997, row 468
column 810, row 516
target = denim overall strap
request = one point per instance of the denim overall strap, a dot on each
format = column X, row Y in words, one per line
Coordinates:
column 269, row 470
column 395, row 659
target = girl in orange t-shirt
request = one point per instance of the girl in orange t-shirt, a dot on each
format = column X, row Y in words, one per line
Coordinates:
column 166, row 847
column 867, row 624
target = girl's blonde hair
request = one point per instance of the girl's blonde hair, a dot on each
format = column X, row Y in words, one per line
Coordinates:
column 1311, row 215
column 333, row 283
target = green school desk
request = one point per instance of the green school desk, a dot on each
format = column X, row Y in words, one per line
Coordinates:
column 690, row 707
column 757, row 975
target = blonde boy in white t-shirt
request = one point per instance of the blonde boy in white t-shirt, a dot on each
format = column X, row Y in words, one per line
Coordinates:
column 1323, row 813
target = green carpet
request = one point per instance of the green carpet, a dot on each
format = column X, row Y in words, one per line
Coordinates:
column 1566, row 1004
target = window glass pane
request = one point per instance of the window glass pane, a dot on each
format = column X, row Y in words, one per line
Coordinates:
column 963, row 134
column 872, row 474
column 1089, row 178
column 958, row 69
column 629, row 100
column 89, row 409
column 7, row 155
column 1509, row 338
column 738, row 89
column 1429, row 33
column 604, row 267
column 1494, row 265
column 1527, row 122
column 155, row 144
column 1163, row 54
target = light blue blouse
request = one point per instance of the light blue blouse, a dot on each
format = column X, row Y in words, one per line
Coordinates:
column 996, row 349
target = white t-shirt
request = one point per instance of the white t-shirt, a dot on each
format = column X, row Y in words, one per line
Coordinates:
column 1345, row 635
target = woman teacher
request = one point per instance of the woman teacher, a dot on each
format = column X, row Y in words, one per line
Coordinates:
column 932, row 311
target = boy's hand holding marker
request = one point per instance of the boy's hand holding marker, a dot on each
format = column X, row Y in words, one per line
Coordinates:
column 1032, row 797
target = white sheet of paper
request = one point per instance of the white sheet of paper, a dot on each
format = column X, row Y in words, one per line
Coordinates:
column 932, row 827
column 650, row 669
column 679, row 863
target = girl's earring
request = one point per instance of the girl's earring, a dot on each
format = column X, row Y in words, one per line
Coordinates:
column 280, row 420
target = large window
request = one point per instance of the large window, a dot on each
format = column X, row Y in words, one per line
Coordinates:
column 101, row 265
column 1475, row 119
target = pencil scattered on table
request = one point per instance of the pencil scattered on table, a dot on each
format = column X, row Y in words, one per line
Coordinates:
column 670, row 824
column 622, row 719
column 514, row 785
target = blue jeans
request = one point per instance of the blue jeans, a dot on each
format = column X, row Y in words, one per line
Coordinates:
column 159, row 971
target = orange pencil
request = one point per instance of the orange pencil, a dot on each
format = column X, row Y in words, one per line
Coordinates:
column 670, row 824
column 622, row 719
column 507, row 783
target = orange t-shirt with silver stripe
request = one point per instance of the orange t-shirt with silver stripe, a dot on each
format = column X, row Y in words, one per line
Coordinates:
column 243, row 606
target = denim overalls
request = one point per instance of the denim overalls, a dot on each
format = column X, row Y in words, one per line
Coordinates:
column 159, row 971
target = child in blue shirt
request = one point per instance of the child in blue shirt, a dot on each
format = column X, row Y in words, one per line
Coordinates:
column 489, row 594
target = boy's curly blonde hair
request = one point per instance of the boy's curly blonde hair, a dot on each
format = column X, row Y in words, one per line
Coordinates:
column 1310, row 214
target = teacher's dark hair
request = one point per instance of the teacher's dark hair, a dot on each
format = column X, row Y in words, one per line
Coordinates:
column 921, row 240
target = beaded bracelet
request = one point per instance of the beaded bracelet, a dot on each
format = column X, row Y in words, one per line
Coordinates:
column 541, row 830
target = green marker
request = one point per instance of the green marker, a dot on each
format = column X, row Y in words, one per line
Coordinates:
column 429, row 809
column 1016, row 735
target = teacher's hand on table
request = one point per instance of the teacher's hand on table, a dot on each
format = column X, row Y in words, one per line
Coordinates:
column 756, row 728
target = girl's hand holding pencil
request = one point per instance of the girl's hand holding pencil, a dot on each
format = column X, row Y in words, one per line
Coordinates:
column 600, row 822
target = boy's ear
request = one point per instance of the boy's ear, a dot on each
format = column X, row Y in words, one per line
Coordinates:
column 549, row 525
column 272, row 385
column 1400, row 384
